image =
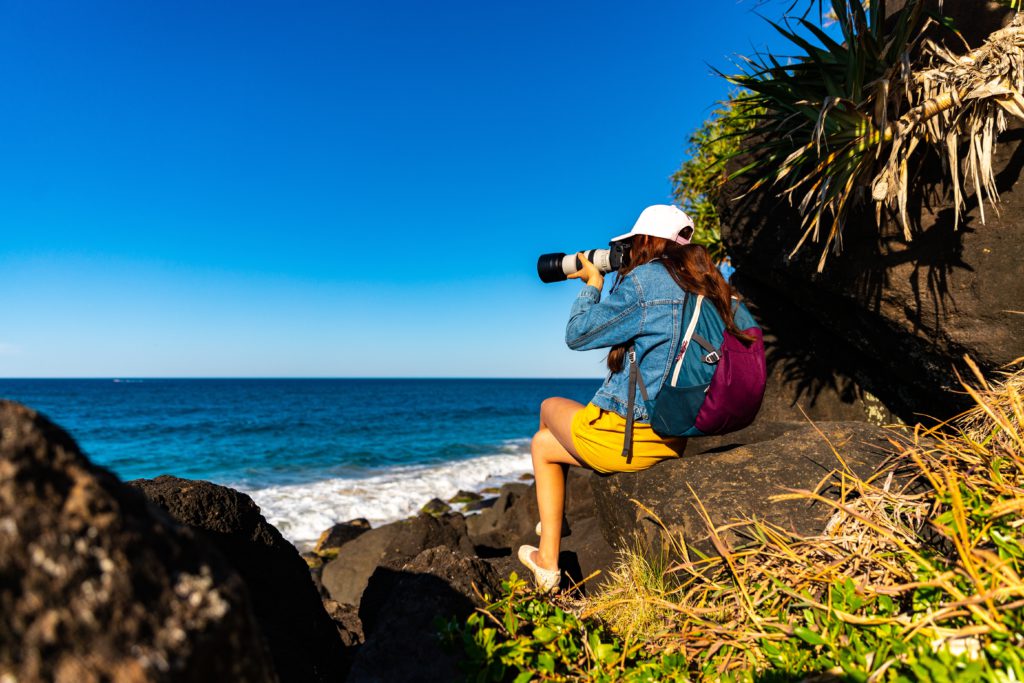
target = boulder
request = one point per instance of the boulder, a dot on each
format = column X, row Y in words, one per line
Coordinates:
column 402, row 639
column 435, row 507
column 301, row 637
column 807, row 379
column 338, row 535
column 736, row 484
column 512, row 522
column 97, row 584
column 478, row 505
column 350, row 630
column 510, row 517
column 465, row 497
column 346, row 620
column 390, row 546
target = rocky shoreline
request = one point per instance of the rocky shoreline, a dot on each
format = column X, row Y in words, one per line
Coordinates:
column 176, row 579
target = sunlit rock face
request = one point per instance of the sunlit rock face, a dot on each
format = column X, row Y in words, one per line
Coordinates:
column 732, row 481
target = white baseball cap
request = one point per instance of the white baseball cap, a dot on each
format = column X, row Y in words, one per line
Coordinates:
column 661, row 220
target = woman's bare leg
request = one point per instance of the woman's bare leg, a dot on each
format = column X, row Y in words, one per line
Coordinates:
column 553, row 452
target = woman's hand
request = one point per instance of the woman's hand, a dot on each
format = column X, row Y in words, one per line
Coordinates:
column 588, row 273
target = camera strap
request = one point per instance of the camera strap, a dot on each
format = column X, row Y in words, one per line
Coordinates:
column 634, row 380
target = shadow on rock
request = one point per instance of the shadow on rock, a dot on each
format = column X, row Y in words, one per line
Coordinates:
column 301, row 637
column 403, row 609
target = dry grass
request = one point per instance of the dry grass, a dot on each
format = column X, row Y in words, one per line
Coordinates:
column 931, row 549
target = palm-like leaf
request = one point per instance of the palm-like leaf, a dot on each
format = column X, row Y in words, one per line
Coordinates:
column 842, row 117
column 825, row 110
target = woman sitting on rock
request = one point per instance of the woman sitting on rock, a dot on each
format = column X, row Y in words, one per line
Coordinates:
column 645, row 309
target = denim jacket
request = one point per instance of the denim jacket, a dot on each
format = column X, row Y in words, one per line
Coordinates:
column 645, row 306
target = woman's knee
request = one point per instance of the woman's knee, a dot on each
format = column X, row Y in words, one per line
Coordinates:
column 544, row 447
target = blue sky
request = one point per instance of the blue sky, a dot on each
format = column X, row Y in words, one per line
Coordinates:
column 331, row 188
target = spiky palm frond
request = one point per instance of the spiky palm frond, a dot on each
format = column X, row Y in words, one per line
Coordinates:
column 849, row 115
column 824, row 111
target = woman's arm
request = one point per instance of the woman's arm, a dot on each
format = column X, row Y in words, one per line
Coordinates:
column 595, row 324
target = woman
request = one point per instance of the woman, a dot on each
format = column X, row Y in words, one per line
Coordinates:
column 644, row 308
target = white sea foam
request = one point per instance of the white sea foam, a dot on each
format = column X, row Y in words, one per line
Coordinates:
column 302, row 511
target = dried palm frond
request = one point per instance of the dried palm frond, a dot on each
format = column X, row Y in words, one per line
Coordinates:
column 961, row 102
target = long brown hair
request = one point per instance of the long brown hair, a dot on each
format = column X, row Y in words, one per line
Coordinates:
column 691, row 267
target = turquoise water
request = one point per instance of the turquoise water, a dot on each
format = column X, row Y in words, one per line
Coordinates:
column 311, row 452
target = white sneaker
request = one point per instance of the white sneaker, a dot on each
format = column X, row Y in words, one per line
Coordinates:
column 547, row 579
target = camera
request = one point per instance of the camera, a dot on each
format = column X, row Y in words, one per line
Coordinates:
column 558, row 267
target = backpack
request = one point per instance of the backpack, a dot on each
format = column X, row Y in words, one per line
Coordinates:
column 711, row 390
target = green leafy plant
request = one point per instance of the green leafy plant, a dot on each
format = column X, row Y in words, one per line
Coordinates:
column 843, row 119
column 697, row 183
column 523, row 637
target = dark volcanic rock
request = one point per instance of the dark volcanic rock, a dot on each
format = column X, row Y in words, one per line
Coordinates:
column 98, row 584
column 512, row 522
column 478, row 505
column 512, row 516
column 402, row 639
column 391, row 546
column 301, row 637
column 512, row 519
column 736, row 484
column 338, row 535
column 346, row 619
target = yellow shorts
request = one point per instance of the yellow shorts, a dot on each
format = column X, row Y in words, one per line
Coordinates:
column 598, row 435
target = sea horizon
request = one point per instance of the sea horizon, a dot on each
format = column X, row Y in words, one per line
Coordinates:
column 311, row 451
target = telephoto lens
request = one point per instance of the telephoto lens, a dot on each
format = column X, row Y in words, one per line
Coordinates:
column 558, row 267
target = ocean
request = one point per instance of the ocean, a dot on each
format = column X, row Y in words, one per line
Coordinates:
column 310, row 452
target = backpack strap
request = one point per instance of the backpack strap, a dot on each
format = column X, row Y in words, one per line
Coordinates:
column 690, row 329
column 711, row 357
column 634, row 380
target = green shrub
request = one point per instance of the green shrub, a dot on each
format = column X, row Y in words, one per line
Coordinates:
column 525, row 637
column 697, row 183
